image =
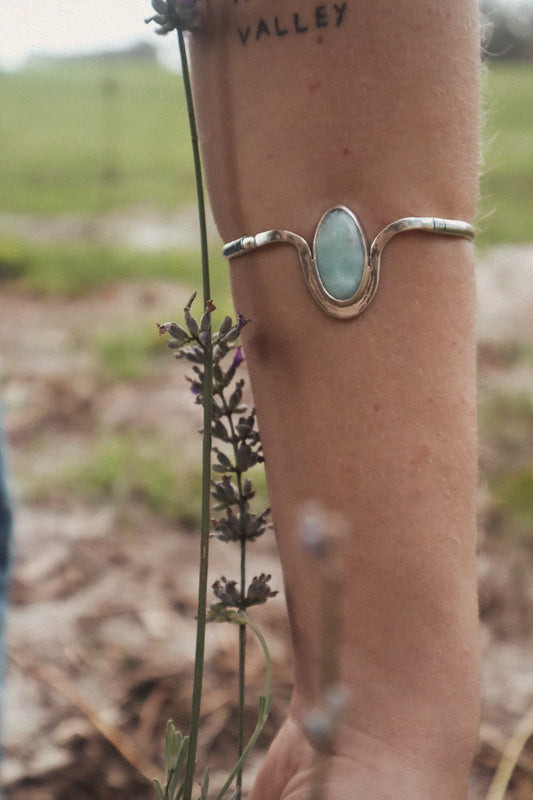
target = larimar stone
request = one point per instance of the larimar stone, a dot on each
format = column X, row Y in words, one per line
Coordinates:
column 340, row 253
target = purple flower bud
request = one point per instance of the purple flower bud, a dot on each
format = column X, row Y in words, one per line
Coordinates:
column 241, row 322
column 178, row 333
column 225, row 326
column 238, row 358
column 259, row 591
column 191, row 323
column 205, row 322
column 174, row 14
column 204, row 338
column 227, row 592
column 196, row 387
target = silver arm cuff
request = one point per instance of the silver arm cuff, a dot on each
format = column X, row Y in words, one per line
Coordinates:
column 365, row 285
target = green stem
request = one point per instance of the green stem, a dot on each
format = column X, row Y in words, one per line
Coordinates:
column 242, row 674
column 202, row 582
column 264, row 703
column 206, row 447
column 197, row 166
column 242, row 628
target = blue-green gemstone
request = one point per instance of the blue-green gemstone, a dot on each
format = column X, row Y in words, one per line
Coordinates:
column 339, row 253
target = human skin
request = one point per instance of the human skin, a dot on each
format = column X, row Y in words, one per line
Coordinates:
column 372, row 418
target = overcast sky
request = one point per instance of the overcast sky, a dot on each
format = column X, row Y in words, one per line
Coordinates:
column 68, row 26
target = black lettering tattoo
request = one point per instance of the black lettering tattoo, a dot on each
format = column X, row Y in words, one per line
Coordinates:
column 262, row 30
column 321, row 17
column 325, row 15
column 244, row 34
column 340, row 12
column 297, row 27
column 279, row 31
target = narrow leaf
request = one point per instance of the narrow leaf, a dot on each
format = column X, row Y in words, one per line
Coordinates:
column 173, row 782
column 172, row 747
column 205, row 785
column 158, row 789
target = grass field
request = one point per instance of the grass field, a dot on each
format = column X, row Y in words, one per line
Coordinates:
column 75, row 267
column 506, row 208
column 89, row 136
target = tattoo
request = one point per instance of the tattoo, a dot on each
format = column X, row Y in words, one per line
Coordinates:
column 329, row 15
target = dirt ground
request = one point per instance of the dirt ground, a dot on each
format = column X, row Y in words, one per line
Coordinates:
column 101, row 632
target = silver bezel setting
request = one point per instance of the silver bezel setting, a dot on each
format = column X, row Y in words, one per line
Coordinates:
column 364, row 294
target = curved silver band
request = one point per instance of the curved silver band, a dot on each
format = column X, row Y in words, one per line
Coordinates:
column 368, row 284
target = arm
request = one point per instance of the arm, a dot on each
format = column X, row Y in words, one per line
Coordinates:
column 374, row 106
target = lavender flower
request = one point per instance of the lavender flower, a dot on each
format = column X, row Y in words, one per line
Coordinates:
column 238, row 358
column 259, row 591
column 230, row 597
column 173, row 15
column 227, row 592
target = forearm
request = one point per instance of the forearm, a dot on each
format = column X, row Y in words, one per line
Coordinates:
column 373, row 417
column 379, row 111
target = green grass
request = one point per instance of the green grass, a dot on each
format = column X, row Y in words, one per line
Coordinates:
column 85, row 137
column 73, row 268
column 506, row 429
column 515, row 493
column 90, row 136
column 506, row 208
column 506, row 435
column 507, row 414
column 129, row 355
column 125, row 469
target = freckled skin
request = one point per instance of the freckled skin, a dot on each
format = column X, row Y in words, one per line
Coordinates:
column 374, row 418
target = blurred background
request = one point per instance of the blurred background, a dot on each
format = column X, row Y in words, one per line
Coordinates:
column 98, row 243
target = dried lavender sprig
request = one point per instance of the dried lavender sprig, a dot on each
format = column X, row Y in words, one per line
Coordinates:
column 180, row 15
column 244, row 526
column 194, row 341
column 207, row 426
column 242, row 435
